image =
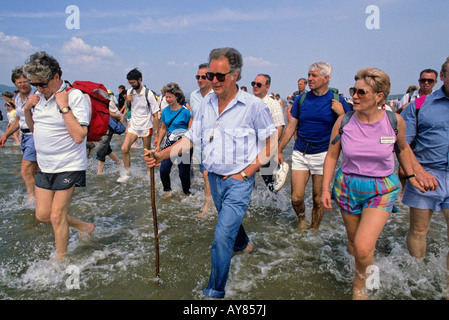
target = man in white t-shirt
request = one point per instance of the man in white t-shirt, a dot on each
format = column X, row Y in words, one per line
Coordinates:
column 59, row 123
column 144, row 115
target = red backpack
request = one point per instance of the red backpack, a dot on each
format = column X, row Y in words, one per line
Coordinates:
column 99, row 102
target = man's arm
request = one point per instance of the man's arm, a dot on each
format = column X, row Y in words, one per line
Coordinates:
column 286, row 136
column 183, row 145
column 77, row 131
column 262, row 158
column 425, row 179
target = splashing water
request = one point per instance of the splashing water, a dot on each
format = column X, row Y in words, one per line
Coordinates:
column 118, row 260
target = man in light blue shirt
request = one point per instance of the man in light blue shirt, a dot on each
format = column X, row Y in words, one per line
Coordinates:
column 237, row 136
column 429, row 129
column 196, row 97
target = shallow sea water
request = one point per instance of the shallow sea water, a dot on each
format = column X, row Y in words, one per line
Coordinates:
column 118, row 259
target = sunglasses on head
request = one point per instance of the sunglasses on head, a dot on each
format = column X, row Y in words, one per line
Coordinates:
column 220, row 76
column 258, row 84
column 39, row 84
column 202, row 77
column 430, row 81
column 360, row 92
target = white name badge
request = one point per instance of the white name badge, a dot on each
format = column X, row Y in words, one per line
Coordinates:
column 386, row 139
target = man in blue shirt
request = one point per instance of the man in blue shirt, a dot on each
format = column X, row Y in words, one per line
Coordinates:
column 429, row 129
column 204, row 88
column 234, row 130
column 29, row 161
column 313, row 121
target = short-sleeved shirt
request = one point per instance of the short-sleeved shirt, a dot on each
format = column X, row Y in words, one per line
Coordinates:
column 231, row 141
column 316, row 120
column 56, row 150
column 142, row 109
column 430, row 130
column 275, row 111
column 178, row 120
column 20, row 111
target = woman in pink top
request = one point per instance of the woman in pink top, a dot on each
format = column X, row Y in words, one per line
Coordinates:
column 366, row 186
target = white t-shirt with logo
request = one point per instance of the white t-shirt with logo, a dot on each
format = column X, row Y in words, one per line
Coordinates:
column 56, row 150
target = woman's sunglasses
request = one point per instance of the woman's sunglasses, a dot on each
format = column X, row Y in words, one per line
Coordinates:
column 360, row 92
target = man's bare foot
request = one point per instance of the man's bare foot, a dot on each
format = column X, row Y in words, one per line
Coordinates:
column 249, row 248
column 205, row 210
column 87, row 231
column 301, row 227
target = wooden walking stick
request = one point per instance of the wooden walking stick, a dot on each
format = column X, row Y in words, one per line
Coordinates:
column 153, row 205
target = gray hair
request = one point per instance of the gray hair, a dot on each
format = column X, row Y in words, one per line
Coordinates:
column 203, row 66
column 324, row 67
column 41, row 66
column 234, row 58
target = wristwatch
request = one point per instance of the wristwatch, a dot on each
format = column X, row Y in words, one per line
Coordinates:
column 245, row 177
column 64, row 110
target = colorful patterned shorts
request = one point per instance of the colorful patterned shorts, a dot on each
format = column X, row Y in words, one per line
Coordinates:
column 353, row 193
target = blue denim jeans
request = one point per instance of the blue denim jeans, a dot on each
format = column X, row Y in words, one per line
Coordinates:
column 231, row 198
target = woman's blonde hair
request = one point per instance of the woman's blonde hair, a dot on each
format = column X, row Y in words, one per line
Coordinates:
column 377, row 79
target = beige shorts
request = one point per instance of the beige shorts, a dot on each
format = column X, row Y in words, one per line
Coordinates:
column 309, row 162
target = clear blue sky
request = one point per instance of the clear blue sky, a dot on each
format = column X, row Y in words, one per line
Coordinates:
column 167, row 39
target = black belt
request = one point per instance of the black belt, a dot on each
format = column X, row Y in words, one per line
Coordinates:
column 220, row 176
column 25, row 130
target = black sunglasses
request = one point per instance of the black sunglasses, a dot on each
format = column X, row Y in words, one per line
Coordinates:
column 202, row 77
column 430, row 81
column 39, row 84
column 360, row 92
column 258, row 84
column 220, row 76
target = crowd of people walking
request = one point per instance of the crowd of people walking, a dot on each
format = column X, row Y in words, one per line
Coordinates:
column 233, row 135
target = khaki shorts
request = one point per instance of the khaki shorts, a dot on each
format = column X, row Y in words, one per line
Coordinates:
column 308, row 162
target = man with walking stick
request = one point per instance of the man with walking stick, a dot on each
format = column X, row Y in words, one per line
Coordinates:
column 237, row 137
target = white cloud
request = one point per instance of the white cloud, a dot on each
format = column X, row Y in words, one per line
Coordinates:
column 77, row 47
column 256, row 62
column 80, row 60
column 14, row 48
